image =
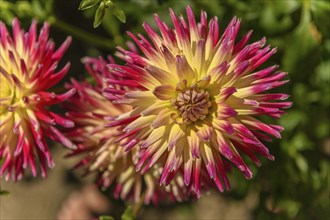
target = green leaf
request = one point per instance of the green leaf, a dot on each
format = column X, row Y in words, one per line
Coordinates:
column 323, row 129
column 291, row 120
column 301, row 163
column 286, row 7
column 38, row 10
column 269, row 19
column 106, row 217
column 86, row 4
column 99, row 15
column 320, row 5
column 300, row 43
column 290, row 206
column 301, row 142
column 128, row 214
column 118, row 13
column 323, row 72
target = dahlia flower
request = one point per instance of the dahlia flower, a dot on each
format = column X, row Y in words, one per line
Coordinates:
column 195, row 98
column 27, row 70
column 103, row 153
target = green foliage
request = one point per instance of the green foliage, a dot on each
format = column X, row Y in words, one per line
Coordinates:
column 106, row 217
column 99, row 14
column 39, row 9
column 128, row 214
column 102, row 5
column 86, row 4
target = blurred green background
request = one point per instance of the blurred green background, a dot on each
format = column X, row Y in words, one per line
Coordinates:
column 296, row 185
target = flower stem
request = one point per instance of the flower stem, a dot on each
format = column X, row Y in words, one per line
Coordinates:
column 78, row 33
column 137, row 207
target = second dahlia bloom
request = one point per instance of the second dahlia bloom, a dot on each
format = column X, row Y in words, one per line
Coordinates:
column 102, row 151
column 196, row 97
column 27, row 70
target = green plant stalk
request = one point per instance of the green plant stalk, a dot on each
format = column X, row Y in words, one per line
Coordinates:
column 111, row 26
column 137, row 207
column 78, row 33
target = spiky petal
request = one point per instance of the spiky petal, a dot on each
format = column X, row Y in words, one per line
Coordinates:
column 104, row 152
column 27, row 70
column 196, row 97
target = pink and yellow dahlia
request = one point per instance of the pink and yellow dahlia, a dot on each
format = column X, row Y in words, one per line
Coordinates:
column 103, row 151
column 27, row 66
column 195, row 98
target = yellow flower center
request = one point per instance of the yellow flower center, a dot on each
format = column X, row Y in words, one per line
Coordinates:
column 193, row 104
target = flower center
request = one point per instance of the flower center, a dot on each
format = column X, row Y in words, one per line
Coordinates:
column 193, row 104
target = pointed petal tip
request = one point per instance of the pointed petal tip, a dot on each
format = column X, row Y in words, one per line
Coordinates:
column 68, row 40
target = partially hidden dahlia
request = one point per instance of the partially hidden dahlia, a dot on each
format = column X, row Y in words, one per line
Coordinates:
column 102, row 151
column 27, row 70
column 195, row 98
